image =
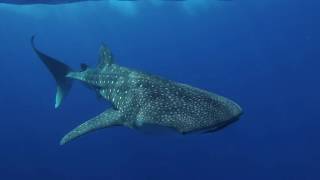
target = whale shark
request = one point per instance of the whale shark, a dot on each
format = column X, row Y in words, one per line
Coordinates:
column 140, row 100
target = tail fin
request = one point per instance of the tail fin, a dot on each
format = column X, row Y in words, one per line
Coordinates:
column 59, row 72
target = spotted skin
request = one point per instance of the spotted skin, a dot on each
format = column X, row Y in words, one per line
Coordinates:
column 142, row 99
column 139, row 99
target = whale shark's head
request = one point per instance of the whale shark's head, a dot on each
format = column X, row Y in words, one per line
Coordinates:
column 228, row 113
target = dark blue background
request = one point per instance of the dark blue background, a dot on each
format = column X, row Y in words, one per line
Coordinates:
column 263, row 54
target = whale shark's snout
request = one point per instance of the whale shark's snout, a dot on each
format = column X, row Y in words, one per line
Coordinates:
column 235, row 109
column 232, row 112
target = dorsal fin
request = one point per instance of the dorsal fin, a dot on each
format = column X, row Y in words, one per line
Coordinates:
column 106, row 58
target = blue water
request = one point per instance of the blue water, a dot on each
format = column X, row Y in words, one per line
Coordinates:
column 262, row 54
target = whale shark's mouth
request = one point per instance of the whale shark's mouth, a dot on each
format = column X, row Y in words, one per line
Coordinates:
column 220, row 125
column 225, row 124
column 214, row 128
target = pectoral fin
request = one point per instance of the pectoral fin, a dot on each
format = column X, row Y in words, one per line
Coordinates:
column 106, row 119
